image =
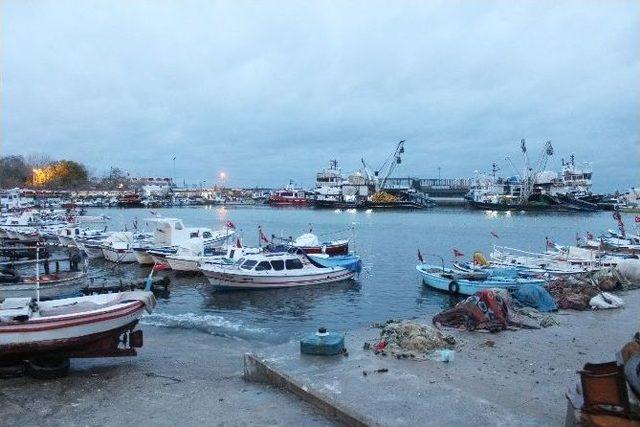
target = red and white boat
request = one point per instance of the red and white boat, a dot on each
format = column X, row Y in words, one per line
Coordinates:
column 309, row 243
column 290, row 196
column 89, row 326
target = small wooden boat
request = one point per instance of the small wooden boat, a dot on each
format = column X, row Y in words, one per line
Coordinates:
column 52, row 285
column 89, row 326
column 468, row 283
column 273, row 270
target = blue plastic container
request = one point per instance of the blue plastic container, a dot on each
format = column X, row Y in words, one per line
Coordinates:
column 322, row 343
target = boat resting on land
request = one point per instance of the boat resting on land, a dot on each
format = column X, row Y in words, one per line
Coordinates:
column 89, row 326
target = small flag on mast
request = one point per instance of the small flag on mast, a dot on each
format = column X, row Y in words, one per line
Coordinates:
column 457, row 253
column 494, row 234
column 230, row 224
column 420, row 257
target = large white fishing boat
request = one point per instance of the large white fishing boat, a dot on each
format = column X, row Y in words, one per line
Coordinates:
column 273, row 270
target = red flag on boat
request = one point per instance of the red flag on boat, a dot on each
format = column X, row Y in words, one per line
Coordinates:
column 230, row 224
column 494, row 234
column 420, row 257
column 457, row 253
column 550, row 243
column 263, row 238
column 238, row 243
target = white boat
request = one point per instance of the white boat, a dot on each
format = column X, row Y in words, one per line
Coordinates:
column 536, row 262
column 88, row 326
column 189, row 260
column 169, row 234
column 52, row 285
column 92, row 248
column 273, row 270
column 117, row 248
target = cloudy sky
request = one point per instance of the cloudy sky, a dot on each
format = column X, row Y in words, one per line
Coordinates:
column 272, row 90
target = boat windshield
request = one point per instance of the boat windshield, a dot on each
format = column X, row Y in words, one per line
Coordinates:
column 293, row 264
column 248, row 264
column 264, row 265
column 277, row 264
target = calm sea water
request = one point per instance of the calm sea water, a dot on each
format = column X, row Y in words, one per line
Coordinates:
column 387, row 288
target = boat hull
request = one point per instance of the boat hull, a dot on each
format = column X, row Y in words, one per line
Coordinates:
column 182, row 264
column 68, row 334
column 223, row 279
column 119, row 256
column 467, row 287
column 143, row 257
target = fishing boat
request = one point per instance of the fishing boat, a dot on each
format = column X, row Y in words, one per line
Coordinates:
column 89, row 326
column 190, row 260
column 349, row 261
column 547, row 263
column 273, row 270
column 289, row 196
column 52, row 285
column 169, row 234
column 309, row 243
column 468, row 283
column 118, row 248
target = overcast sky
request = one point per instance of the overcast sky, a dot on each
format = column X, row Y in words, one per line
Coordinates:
column 272, row 90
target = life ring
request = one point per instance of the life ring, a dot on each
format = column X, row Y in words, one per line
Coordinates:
column 454, row 288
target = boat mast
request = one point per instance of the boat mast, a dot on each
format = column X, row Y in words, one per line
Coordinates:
column 37, row 273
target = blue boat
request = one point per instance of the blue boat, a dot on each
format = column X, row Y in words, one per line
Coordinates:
column 468, row 283
column 351, row 262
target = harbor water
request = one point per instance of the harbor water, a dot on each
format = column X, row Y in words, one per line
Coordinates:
column 388, row 243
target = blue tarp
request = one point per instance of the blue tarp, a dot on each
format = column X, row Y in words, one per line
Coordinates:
column 535, row 296
column 504, row 272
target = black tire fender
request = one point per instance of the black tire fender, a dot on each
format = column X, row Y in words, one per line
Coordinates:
column 48, row 368
column 454, row 287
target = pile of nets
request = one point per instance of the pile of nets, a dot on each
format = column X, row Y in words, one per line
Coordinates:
column 572, row 293
column 409, row 339
column 487, row 309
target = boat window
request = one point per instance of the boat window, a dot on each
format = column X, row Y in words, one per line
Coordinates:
column 277, row 264
column 77, row 231
column 248, row 264
column 264, row 265
column 232, row 253
column 206, row 234
column 293, row 264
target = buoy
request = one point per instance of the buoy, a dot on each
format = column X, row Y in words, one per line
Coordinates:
column 322, row 343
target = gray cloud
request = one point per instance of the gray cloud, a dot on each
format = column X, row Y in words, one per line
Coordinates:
column 272, row 90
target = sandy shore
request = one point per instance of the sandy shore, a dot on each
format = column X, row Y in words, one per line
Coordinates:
column 191, row 378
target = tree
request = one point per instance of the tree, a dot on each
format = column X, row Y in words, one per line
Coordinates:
column 14, row 171
column 69, row 174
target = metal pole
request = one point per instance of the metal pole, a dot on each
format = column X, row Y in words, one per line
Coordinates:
column 38, row 274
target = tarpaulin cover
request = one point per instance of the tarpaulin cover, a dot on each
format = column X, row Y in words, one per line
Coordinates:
column 535, row 296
